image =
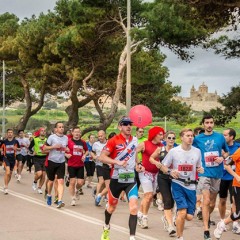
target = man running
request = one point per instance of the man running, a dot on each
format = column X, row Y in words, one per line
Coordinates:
column 121, row 151
column 39, row 157
column 9, row 148
column 185, row 161
column 57, row 146
column 103, row 170
column 77, row 153
column 227, row 179
column 211, row 145
column 22, row 154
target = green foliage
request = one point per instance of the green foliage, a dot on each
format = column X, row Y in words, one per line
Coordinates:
column 1, row 120
column 36, row 123
column 50, row 105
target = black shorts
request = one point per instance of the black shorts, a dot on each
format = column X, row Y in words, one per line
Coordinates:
column 90, row 168
column 39, row 164
column 9, row 162
column 103, row 172
column 21, row 158
column 236, row 195
column 225, row 187
column 55, row 169
column 76, row 172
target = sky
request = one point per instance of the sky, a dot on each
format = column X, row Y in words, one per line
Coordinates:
column 215, row 71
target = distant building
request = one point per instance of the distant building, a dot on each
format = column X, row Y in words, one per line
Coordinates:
column 201, row 99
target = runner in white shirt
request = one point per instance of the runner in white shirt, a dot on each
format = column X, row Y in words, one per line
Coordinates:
column 185, row 161
column 22, row 154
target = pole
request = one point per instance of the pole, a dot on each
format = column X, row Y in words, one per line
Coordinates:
column 3, row 103
column 128, row 84
column 165, row 123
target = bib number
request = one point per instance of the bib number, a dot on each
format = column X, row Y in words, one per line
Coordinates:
column 126, row 176
column 210, row 157
column 185, row 169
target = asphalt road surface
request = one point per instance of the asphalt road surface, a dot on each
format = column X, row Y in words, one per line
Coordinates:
column 26, row 216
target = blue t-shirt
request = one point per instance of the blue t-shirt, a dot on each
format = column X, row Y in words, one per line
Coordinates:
column 88, row 157
column 232, row 150
column 211, row 146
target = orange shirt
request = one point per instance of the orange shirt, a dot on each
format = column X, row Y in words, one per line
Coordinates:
column 236, row 158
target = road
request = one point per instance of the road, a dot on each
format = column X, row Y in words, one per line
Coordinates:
column 25, row 216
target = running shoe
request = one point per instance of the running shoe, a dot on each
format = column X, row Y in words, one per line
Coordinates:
column 207, row 236
column 144, row 224
column 132, row 238
column 49, row 200
column 139, row 220
column 39, row 190
column 105, row 234
column 19, row 178
column 179, row 238
column 219, row 230
column 165, row 223
column 55, row 200
column 15, row 174
column 34, row 186
column 199, row 215
column 171, row 231
column 60, row 204
column 98, row 200
column 5, row 191
column 73, row 202
column 236, row 228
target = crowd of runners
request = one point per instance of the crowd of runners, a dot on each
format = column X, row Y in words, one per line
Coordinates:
column 181, row 180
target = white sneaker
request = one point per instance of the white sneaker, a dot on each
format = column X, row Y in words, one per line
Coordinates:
column 132, row 238
column 160, row 205
column 15, row 174
column 73, row 202
column 19, row 178
column 179, row 238
column 34, row 186
column 144, row 224
column 219, row 230
column 39, row 190
column 165, row 223
column 5, row 191
column 171, row 231
column 139, row 220
column 236, row 228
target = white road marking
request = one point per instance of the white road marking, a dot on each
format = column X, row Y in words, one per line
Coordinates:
column 76, row 215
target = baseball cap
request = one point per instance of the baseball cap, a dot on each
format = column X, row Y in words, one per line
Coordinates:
column 125, row 120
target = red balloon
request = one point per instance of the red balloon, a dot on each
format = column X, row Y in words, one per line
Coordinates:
column 140, row 115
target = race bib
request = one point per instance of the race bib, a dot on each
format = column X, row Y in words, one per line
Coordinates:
column 149, row 176
column 126, row 176
column 185, row 170
column 77, row 150
column 209, row 158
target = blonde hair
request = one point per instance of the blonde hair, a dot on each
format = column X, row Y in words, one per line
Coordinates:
column 184, row 131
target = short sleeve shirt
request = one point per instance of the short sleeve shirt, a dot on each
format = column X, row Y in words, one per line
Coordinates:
column 236, row 159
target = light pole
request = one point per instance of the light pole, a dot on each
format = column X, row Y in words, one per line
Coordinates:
column 3, row 102
column 128, row 84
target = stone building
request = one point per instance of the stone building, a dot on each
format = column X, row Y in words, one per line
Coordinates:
column 201, row 99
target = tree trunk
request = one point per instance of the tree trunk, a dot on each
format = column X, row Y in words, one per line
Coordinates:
column 29, row 111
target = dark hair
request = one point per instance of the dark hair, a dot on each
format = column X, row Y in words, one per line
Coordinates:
column 208, row 116
column 112, row 134
column 137, row 128
column 198, row 130
column 9, row 129
column 56, row 124
column 72, row 129
column 20, row 131
column 91, row 134
column 232, row 132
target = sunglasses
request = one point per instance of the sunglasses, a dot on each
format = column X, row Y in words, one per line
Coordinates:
column 171, row 138
column 141, row 131
column 126, row 124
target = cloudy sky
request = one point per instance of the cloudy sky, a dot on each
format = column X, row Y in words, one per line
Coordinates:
column 219, row 74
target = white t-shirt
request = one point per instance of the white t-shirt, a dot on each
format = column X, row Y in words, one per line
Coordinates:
column 24, row 143
column 97, row 148
column 57, row 155
column 186, row 162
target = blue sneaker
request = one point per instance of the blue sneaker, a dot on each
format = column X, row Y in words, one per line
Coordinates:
column 60, row 204
column 98, row 200
column 49, row 200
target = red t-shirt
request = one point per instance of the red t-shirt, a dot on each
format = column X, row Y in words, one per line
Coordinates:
column 77, row 149
column 148, row 151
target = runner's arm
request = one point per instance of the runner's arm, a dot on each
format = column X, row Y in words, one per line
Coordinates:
column 104, row 158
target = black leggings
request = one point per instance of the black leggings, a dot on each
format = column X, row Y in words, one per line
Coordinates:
column 236, row 194
column 164, row 186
